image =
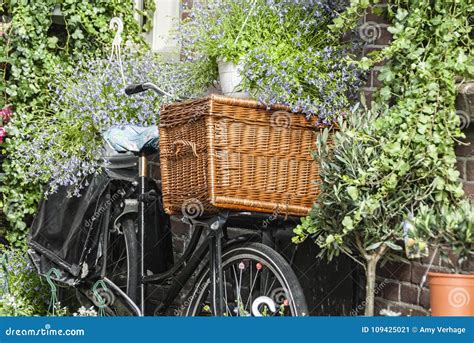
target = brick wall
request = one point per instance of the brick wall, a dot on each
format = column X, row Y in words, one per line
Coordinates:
column 465, row 161
column 373, row 31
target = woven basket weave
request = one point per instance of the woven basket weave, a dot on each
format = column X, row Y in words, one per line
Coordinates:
column 220, row 152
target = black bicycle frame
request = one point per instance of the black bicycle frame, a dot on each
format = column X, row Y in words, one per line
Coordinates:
column 142, row 189
column 191, row 258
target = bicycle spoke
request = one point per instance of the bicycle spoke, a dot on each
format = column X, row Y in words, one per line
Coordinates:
column 225, row 296
column 251, row 288
column 237, row 291
column 271, row 285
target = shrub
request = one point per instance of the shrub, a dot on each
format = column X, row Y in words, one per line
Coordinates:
column 22, row 291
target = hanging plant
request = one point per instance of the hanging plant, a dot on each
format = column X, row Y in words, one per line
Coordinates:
column 63, row 150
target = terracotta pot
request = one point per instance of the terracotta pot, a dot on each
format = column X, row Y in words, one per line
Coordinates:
column 451, row 294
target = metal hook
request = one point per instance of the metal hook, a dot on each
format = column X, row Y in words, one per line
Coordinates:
column 117, row 24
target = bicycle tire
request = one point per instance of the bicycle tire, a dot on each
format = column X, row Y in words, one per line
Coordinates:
column 256, row 251
column 119, row 306
column 131, row 243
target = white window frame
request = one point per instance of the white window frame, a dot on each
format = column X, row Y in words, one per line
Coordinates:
column 167, row 14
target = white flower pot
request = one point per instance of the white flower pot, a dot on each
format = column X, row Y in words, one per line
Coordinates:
column 230, row 80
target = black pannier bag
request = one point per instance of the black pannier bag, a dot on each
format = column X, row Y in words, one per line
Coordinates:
column 66, row 232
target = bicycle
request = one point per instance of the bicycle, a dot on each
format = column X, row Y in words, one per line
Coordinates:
column 226, row 275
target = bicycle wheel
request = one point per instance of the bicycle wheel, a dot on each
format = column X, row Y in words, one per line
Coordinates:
column 121, row 273
column 122, row 259
column 257, row 281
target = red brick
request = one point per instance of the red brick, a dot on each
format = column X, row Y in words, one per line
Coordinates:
column 461, row 167
column 450, row 260
column 396, row 271
column 375, row 80
column 470, row 170
column 369, row 49
column 465, row 150
column 185, row 15
column 187, row 4
column 424, row 298
column 468, row 266
column 436, row 261
column 469, row 190
column 369, row 97
column 382, row 18
column 391, row 291
column 419, row 270
column 385, row 37
column 380, row 304
column 409, row 294
column 179, row 228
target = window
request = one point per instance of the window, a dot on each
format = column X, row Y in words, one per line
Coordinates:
column 166, row 15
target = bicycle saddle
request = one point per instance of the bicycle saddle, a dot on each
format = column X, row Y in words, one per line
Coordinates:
column 132, row 138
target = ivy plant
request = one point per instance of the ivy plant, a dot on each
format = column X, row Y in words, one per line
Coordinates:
column 35, row 48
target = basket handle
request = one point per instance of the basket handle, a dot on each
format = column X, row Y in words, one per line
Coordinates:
column 180, row 145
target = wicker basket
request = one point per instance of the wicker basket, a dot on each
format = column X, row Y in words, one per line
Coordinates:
column 221, row 152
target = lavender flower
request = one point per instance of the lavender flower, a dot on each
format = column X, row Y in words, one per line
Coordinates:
column 65, row 148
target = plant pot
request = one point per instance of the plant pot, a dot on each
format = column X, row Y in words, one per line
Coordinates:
column 230, row 80
column 451, row 294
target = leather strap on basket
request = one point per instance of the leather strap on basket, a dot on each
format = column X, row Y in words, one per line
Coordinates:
column 179, row 147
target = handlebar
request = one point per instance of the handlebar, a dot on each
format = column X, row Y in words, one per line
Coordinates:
column 142, row 87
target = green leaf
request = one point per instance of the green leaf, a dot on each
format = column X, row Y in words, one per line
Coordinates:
column 52, row 41
column 393, row 246
column 353, row 192
column 374, row 246
column 347, row 223
column 401, row 14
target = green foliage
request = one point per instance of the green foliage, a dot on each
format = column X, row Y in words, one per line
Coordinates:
column 223, row 29
column 22, row 291
column 410, row 159
column 36, row 48
column 393, row 177
column 450, row 229
column 358, row 211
